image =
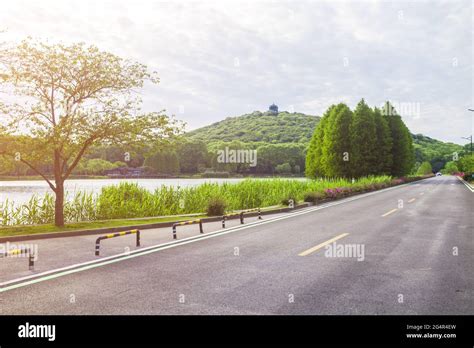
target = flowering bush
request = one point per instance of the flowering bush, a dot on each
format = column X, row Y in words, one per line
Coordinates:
column 397, row 181
column 337, row 192
column 355, row 187
column 330, row 193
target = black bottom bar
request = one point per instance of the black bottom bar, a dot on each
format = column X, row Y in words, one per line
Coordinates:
column 291, row 330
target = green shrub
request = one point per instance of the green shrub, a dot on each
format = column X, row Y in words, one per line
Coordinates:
column 284, row 168
column 286, row 201
column 469, row 177
column 314, row 197
column 216, row 206
column 450, row 168
column 425, row 168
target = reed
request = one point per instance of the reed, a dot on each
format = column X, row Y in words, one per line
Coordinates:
column 129, row 200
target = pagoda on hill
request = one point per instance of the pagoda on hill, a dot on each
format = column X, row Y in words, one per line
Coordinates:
column 273, row 109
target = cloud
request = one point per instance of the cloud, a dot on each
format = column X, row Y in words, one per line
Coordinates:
column 224, row 58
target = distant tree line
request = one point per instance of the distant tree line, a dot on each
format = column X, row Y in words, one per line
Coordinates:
column 185, row 156
column 366, row 141
column 436, row 152
column 179, row 156
column 345, row 143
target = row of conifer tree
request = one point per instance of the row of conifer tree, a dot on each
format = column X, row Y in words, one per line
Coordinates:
column 366, row 141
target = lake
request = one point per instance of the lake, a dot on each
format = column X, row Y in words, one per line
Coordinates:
column 21, row 191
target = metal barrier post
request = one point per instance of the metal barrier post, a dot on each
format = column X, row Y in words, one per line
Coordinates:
column 198, row 221
column 113, row 235
column 97, row 246
column 21, row 251
column 31, row 261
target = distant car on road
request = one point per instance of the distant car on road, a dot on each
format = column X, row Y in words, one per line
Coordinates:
column 438, row 174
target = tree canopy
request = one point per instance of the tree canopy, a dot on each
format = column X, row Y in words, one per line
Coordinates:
column 364, row 142
column 69, row 98
column 424, row 168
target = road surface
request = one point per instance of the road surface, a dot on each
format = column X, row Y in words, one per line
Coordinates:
column 416, row 254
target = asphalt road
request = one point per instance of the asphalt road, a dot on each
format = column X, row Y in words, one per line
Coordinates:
column 61, row 252
column 417, row 259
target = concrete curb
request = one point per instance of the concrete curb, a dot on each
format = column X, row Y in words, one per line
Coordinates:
column 467, row 184
column 133, row 227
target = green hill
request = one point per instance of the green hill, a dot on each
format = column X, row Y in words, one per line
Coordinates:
column 430, row 147
column 434, row 151
column 264, row 127
column 284, row 127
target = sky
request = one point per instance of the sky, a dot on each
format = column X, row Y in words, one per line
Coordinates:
column 217, row 59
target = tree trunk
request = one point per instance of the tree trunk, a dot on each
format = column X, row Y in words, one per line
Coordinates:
column 59, row 203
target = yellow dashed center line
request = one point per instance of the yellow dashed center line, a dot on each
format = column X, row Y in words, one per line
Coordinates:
column 412, row 200
column 319, row 246
column 389, row 212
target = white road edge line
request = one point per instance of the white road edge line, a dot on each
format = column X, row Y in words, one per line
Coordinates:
column 466, row 184
column 59, row 272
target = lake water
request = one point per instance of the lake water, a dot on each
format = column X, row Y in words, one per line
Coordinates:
column 22, row 190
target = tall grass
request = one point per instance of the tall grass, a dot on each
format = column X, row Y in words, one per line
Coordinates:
column 82, row 207
column 129, row 200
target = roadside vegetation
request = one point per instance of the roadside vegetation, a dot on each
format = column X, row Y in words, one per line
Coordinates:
column 129, row 200
column 37, row 216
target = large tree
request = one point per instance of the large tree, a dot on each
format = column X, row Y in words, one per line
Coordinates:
column 466, row 163
column 64, row 99
column 192, row 155
column 163, row 161
column 314, row 167
column 403, row 154
column 384, row 144
column 363, row 141
column 336, row 147
column 424, row 168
